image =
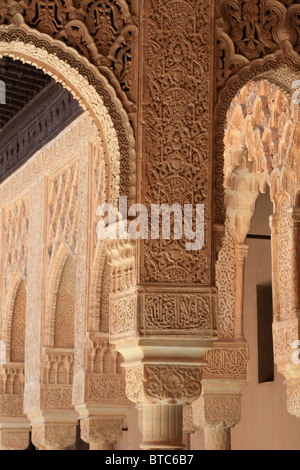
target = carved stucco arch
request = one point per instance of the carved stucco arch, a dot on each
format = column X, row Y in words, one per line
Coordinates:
column 57, row 268
column 281, row 70
column 13, row 288
column 253, row 158
column 93, row 92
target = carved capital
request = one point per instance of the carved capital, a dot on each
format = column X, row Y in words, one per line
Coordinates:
column 53, row 436
column 14, row 439
column 293, row 399
column 165, row 384
column 101, row 431
column 217, row 411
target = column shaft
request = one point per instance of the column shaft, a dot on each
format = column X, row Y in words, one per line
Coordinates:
column 162, row 427
column 101, row 446
column 217, row 438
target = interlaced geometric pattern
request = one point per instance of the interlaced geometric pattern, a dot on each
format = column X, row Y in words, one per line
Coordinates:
column 15, row 230
column 18, row 328
column 63, row 209
column 65, row 307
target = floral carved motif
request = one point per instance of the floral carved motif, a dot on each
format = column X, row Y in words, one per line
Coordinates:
column 250, row 30
column 172, row 384
column 100, row 30
column 12, row 390
column 226, row 284
column 105, row 376
column 163, row 384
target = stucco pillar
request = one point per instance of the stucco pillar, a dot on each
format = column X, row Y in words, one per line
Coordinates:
column 219, row 408
column 162, row 391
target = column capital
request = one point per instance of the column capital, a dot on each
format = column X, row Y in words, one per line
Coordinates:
column 101, row 431
column 274, row 221
column 242, row 251
column 54, row 430
column 219, row 405
column 54, row 436
column 295, row 217
column 163, row 383
column 14, row 435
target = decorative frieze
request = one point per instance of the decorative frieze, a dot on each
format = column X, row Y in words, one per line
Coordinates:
column 227, row 361
column 173, row 313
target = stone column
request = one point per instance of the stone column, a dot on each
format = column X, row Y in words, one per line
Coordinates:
column 219, row 408
column 241, row 254
column 162, row 391
column 163, row 305
column 218, row 411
